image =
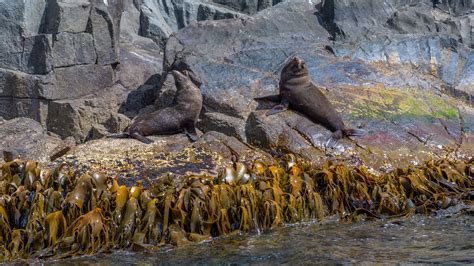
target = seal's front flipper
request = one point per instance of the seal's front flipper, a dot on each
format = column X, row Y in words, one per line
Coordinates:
column 283, row 106
column 141, row 138
column 352, row 132
column 190, row 131
column 278, row 108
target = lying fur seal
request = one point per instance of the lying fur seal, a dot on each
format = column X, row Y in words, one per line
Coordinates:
column 298, row 92
column 181, row 116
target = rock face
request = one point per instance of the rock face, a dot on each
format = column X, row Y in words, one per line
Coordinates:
column 60, row 51
column 55, row 55
column 396, row 80
column 248, row 6
column 159, row 19
column 402, row 70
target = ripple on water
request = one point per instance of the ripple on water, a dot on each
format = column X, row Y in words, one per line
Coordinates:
column 417, row 240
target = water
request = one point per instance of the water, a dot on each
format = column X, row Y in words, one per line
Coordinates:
column 417, row 240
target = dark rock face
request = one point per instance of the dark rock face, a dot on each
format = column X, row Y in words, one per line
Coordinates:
column 157, row 20
column 73, row 49
column 355, row 20
column 433, row 35
column 56, row 50
column 61, row 52
column 248, row 6
column 175, row 15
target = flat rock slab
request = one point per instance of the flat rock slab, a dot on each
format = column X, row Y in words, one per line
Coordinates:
column 130, row 160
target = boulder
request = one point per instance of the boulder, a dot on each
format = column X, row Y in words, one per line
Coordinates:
column 26, row 138
column 18, row 84
column 81, row 80
column 248, row 6
column 24, row 95
column 105, row 26
column 139, row 62
column 81, row 117
column 66, row 16
column 159, row 19
column 73, row 49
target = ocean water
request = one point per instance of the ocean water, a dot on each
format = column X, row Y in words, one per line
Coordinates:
column 420, row 239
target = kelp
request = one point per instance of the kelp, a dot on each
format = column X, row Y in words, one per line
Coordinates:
column 59, row 213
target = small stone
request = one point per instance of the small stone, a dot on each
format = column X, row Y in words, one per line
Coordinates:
column 63, row 148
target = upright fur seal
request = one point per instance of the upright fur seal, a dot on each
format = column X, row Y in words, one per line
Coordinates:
column 298, row 92
column 181, row 116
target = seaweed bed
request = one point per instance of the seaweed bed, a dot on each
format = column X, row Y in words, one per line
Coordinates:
column 57, row 213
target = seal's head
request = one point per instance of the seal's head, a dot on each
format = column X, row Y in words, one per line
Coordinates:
column 178, row 76
column 184, row 82
column 185, row 75
column 295, row 68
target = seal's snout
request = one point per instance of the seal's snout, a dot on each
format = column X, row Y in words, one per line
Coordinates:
column 178, row 75
column 297, row 63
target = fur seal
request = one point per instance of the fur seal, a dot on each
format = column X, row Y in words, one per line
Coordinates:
column 181, row 116
column 298, row 92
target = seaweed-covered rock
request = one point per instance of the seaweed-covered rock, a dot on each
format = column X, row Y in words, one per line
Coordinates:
column 129, row 159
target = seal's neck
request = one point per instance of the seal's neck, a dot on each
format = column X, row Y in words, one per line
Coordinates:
column 297, row 81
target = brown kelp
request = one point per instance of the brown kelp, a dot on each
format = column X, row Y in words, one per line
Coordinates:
column 59, row 212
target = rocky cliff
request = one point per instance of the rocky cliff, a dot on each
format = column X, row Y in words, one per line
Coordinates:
column 402, row 70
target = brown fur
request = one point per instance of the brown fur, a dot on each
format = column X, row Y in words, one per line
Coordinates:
column 181, row 116
column 298, row 92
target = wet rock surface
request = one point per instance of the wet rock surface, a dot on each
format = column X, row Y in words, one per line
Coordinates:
column 402, row 71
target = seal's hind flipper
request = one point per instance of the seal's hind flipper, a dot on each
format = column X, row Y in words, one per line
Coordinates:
column 332, row 142
column 190, row 131
column 118, row 135
column 334, row 139
column 283, row 106
column 352, row 132
column 141, row 138
column 270, row 98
